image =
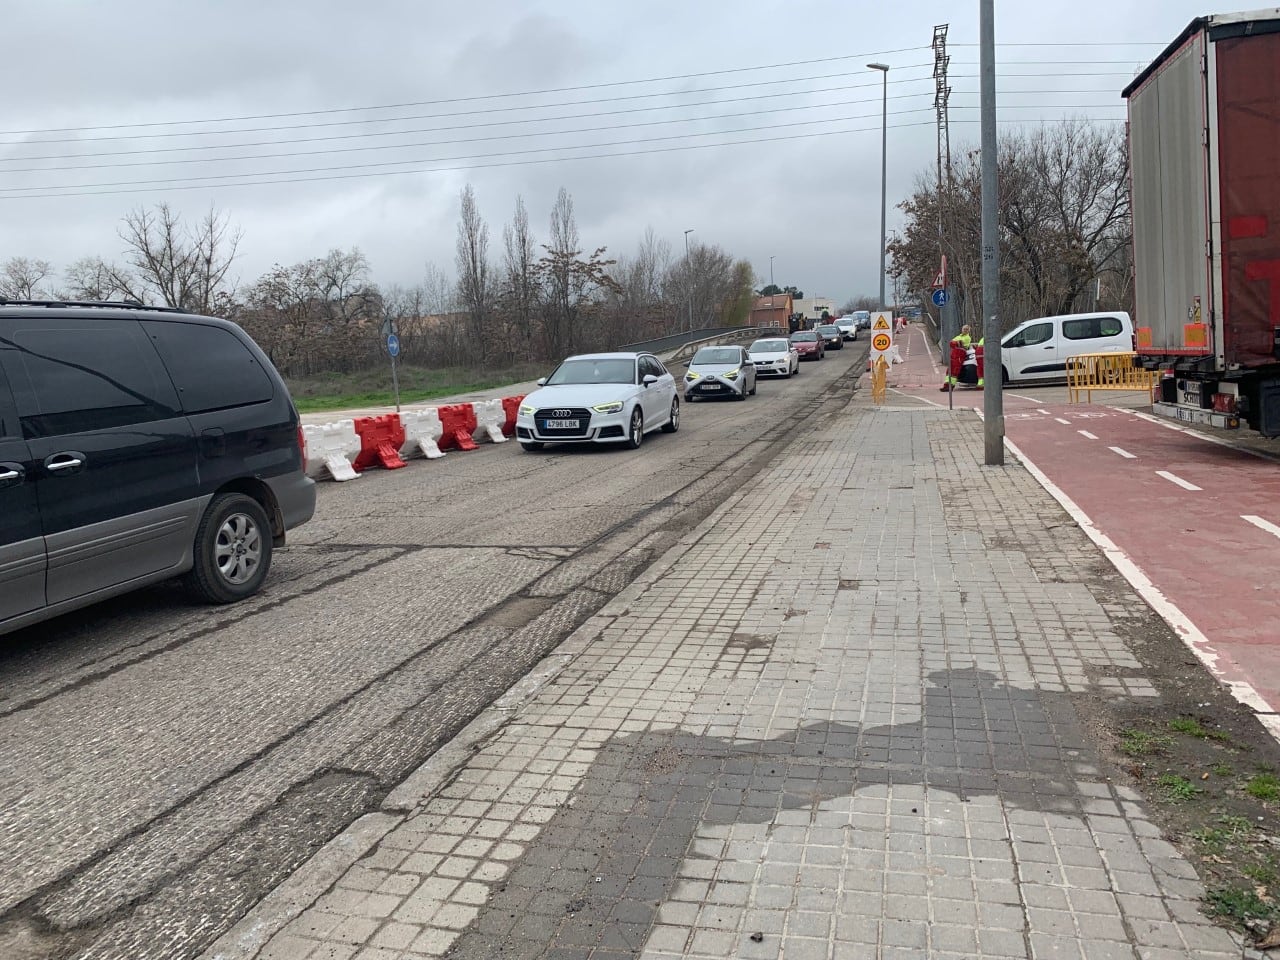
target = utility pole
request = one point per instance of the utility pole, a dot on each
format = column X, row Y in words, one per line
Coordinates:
column 771, row 271
column 884, row 165
column 688, row 268
column 992, row 396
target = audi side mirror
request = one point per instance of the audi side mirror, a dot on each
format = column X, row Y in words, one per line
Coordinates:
column 649, row 379
column 542, row 381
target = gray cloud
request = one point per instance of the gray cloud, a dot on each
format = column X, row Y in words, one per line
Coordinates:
column 812, row 203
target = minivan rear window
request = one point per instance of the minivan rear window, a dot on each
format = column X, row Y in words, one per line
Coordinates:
column 210, row 367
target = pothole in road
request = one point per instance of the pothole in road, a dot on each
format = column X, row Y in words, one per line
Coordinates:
column 517, row 612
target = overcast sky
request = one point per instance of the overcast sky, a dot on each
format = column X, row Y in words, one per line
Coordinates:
column 810, row 201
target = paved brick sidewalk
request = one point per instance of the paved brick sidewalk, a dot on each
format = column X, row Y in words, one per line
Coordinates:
column 838, row 724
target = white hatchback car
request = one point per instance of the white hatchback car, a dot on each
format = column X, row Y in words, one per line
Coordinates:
column 600, row 398
column 774, row 357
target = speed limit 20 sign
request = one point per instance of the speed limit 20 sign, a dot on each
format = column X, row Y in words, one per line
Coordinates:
column 881, row 342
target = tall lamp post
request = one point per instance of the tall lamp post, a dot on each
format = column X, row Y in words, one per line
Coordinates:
column 688, row 266
column 771, row 271
column 884, row 165
column 992, row 398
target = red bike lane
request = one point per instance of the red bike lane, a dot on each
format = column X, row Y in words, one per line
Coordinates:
column 1193, row 524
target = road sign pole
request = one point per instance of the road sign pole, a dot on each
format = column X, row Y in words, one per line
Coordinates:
column 393, row 350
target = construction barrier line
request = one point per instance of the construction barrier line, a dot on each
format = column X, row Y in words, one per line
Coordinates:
column 330, row 448
column 459, row 423
column 422, row 433
column 380, row 441
column 489, row 419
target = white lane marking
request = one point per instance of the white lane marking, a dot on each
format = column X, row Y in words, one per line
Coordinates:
column 1123, row 452
column 1190, row 634
column 1261, row 524
column 1174, row 478
column 1023, row 396
column 1060, row 420
column 1087, row 435
column 1044, row 411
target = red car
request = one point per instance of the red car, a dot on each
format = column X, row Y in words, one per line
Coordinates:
column 808, row 344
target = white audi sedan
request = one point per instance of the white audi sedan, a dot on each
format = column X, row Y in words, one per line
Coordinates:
column 774, row 357
column 600, row 398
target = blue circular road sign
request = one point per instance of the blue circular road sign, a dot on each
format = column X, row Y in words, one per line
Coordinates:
column 940, row 298
column 393, row 345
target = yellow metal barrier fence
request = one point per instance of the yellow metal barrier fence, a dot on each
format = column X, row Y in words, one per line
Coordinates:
column 1106, row 371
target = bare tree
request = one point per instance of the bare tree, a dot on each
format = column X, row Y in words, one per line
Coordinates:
column 181, row 266
column 1064, row 222
column 21, row 278
column 519, row 292
column 571, row 283
column 475, row 291
column 91, row 278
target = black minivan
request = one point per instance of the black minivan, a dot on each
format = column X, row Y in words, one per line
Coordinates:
column 138, row 444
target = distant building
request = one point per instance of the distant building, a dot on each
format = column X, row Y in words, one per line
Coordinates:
column 772, row 311
column 812, row 308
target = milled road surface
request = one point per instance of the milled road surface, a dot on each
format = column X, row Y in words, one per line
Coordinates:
column 165, row 765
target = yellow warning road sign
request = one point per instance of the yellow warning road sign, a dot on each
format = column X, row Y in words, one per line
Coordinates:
column 882, row 323
column 881, row 342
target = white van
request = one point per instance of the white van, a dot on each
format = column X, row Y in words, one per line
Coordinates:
column 1038, row 349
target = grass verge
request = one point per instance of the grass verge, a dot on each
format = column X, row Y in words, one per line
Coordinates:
column 372, row 388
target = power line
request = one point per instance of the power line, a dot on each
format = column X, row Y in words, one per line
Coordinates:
column 473, row 126
column 461, row 113
column 470, row 99
column 513, row 163
column 495, row 123
column 545, row 91
column 789, row 108
column 331, row 171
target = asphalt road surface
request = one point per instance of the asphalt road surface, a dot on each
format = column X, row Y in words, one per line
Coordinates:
column 165, row 765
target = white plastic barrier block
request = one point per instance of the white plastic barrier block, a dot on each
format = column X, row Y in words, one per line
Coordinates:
column 489, row 420
column 422, row 433
column 331, row 447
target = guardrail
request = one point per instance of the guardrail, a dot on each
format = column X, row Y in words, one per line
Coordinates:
column 1088, row 372
column 731, row 335
column 662, row 344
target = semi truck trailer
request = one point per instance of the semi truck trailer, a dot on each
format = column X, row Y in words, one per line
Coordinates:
column 1204, row 153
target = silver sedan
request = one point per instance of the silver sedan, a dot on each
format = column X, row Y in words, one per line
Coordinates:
column 720, row 371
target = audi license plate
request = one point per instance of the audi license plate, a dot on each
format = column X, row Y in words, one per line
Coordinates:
column 561, row 424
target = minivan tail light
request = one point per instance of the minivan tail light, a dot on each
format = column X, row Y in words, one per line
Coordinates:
column 302, row 447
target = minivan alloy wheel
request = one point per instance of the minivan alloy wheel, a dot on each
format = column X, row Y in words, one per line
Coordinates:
column 238, row 548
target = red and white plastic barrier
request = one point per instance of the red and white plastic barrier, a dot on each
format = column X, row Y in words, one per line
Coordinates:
column 489, row 420
column 422, row 433
column 346, row 448
column 331, row 448
column 380, row 441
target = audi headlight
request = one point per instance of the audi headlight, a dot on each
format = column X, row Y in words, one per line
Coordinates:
column 613, row 407
column 526, row 410
column 731, row 375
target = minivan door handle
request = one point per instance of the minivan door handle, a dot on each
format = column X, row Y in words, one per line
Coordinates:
column 12, row 474
column 68, row 462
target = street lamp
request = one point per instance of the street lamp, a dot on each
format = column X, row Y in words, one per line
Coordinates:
column 884, row 165
column 771, row 271
column 688, row 266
